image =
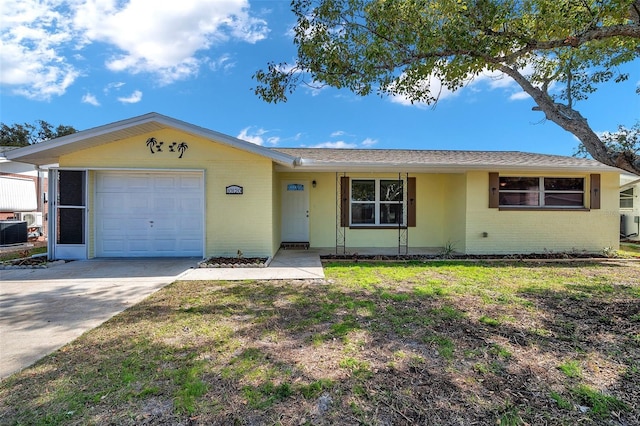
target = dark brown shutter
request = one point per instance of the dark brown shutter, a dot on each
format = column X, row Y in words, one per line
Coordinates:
column 344, row 201
column 494, row 190
column 595, row 191
column 411, row 205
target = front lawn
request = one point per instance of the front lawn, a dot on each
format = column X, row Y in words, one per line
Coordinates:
column 438, row 343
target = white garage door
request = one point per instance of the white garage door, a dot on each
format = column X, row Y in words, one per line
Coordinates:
column 149, row 214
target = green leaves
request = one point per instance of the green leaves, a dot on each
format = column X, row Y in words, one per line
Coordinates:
column 27, row 134
column 393, row 45
column 416, row 48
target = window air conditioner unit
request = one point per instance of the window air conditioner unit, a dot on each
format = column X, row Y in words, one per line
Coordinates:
column 33, row 219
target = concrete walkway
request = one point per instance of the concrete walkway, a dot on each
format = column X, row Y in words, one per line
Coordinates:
column 41, row 310
column 285, row 265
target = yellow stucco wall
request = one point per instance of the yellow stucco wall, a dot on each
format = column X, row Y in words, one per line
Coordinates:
column 452, row 211
column 432, row 211
column 530, row 231
column 455, row 207
column 233, row 222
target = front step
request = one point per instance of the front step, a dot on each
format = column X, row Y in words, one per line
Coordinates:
column 294, row 246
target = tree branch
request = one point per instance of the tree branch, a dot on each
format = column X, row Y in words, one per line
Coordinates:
column 573, row 122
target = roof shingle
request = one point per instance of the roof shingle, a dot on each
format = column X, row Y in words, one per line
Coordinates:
column 436, row 159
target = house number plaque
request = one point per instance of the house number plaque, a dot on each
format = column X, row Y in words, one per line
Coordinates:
column 234, row 190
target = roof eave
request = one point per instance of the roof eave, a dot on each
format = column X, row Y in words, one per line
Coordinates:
column 316, row 166
column 50, row 151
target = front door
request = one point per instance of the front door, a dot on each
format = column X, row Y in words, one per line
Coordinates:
column 295, row 211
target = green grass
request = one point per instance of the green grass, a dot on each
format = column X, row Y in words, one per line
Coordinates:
column 629, row 250
column 561, row 401
column 445, row 346
column 571, row 369
column 19, row 254
column 601, row 405
column 265, row 395
column 442, row 342
column 489, row 321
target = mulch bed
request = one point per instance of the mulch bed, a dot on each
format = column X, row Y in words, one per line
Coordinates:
column 234, row 262
column 423, row 257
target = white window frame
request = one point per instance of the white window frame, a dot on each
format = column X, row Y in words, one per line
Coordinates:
column 625, row 196
column 541, row 192
column 378, row 203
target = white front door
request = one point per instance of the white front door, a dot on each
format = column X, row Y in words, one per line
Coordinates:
column 295, row 211
column 148, row 214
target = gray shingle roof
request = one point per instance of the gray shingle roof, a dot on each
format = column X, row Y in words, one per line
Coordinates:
column 437, row 159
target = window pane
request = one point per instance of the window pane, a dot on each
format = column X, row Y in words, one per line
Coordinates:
column 519, row 183
column 390, row 190
column 363, row 213
column 563, row 184
column 563, row 199
column 626, row 199
column 519, row 199
column 363, row 190
column 70, row 226
column 71, row 187
column 391, row 213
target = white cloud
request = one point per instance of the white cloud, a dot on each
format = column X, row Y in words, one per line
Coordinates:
column 519, row 96
column 491, row 80
column 256, row 138
column 223, row 63
column 135, row 97
column 337, row 133
column 368, row 142
column 273, row 140
column 431, row 85
column 42, row 41
column 338, row 144
column 113, row 86
column 32, row 30
column 166, row 38
column 90, row 99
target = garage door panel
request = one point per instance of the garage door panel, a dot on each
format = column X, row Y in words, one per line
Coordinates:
column 165, row 206
column 113, row 245
column 111, row 225
column 140, row 183
column 190, row 246
column 190, row 182
column 111, row 201
column 149, row 214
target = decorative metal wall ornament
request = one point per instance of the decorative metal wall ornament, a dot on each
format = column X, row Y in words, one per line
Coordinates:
column 155, row 146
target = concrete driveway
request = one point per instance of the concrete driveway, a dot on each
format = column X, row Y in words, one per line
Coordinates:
column 41, row 310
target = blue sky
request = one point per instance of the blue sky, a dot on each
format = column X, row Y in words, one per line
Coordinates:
column 87, row 63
